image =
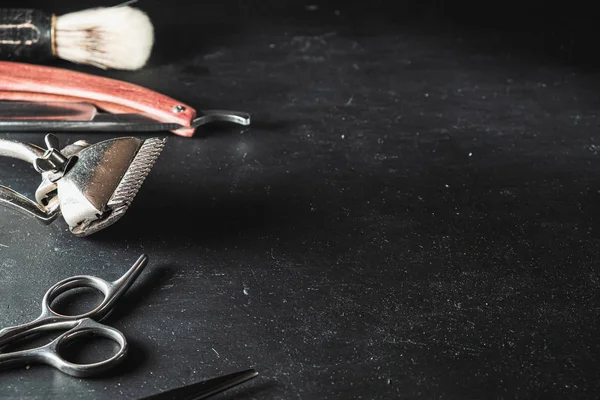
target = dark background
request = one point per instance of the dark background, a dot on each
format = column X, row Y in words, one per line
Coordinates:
column 412, row 213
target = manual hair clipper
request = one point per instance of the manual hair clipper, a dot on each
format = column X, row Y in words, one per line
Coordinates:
column 91, row 185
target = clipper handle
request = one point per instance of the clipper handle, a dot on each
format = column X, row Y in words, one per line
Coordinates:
column 26, row 35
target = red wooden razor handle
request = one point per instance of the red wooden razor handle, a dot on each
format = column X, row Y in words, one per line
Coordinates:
column 30, row 82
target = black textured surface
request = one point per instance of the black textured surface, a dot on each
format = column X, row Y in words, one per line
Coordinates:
column 413, row 213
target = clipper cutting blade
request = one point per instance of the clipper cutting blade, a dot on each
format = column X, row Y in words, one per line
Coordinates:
column 92, row 186
column 128, row 187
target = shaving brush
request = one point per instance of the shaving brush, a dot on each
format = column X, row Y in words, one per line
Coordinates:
column 106, row 37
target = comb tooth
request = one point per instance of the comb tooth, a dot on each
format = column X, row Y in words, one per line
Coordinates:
column 137, row 172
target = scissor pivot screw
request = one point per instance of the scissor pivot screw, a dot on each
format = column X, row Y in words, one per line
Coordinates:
column 178, row 109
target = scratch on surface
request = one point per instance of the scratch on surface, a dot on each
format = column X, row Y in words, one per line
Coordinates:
column 3, row 245
column 409, row 341
column 350, row 100
column 216, row 352
column 463, row 347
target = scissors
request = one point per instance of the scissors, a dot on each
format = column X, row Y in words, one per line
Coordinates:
column 205, row 389
column 78, row 326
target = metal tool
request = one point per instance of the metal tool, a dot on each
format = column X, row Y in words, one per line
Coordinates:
column 77, row 326
column 22, row 116
column 205, row 389
column 91, row 185
column 36, row 98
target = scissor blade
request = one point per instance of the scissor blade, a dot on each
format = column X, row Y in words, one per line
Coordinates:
column 205, row 389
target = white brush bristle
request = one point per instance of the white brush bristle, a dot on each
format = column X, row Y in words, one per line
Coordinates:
column 113, row 37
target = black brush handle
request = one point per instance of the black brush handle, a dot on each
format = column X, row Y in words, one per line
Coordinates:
column 25, row 35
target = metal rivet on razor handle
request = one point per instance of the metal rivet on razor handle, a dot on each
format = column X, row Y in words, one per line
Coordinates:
column 92, row 186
